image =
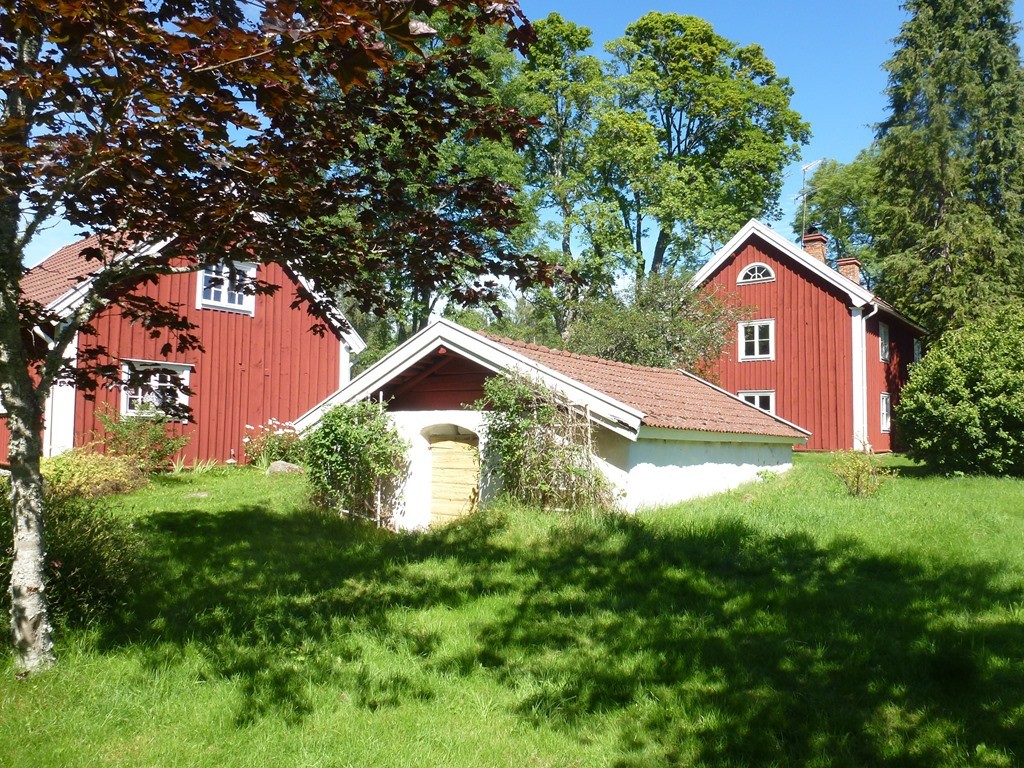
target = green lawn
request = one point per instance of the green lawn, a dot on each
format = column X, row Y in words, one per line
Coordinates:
column 784, row 624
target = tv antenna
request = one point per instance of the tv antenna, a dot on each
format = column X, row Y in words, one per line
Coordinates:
column 803, row 194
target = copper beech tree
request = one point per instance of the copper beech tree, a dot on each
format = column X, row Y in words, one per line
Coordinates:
column 203, row 126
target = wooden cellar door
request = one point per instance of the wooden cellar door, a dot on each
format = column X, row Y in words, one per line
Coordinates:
column 455, row 477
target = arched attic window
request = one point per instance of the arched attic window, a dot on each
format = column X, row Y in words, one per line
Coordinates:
column 756, row 273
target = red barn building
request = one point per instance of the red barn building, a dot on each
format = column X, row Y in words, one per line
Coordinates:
column 819, row 349
column 259, row 360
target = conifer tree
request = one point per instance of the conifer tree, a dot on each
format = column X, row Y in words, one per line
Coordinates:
column 951, row 180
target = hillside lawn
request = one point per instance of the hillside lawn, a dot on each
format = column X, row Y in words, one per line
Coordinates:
column 784, row 624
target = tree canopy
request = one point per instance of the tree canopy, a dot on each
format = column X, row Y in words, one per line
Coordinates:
column 842, row 201
column 198, row 125
column 951, row 162
column 710, row 128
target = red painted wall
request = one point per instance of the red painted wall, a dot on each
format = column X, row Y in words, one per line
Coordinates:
column 440, row 382
column 812, row 372
column 253, row 367
column 888, row 376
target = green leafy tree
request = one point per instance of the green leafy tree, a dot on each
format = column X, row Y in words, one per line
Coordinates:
column 561, row 88
column 721, row 132
column 198, row 124
column 659, row 321
column 951, row 162
column 963, row 408
column 842, row 203
column 461, row 178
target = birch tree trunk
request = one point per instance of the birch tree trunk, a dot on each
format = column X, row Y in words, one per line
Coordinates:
column 30, row 622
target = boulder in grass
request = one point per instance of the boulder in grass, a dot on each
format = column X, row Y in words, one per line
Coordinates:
column 284, row 468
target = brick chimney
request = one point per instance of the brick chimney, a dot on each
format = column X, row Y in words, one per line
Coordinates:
column 849, row 268
column 816, row 244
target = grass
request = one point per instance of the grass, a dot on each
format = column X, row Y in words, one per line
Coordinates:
column 785, row 624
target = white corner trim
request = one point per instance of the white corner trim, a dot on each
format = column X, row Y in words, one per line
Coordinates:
column 59, row 411
column 858, row 348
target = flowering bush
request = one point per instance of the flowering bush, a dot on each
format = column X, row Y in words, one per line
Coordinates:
column 273, row 441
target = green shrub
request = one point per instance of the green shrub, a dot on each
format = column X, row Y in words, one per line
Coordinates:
column 85, row 472
column 273, row 441
column 963, row 408
column 92, row 557
column 356, row 461
column 146, row 439
column 539, row 447
column 860, row 471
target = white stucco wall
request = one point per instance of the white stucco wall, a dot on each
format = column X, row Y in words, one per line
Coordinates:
column 415, row 427
column 654, row 472
column 650, row 472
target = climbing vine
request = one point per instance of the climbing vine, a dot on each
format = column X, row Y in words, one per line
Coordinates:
column 540, row 447
column 356, row 461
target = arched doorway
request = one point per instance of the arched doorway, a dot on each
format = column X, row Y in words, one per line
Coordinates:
column 454, row 472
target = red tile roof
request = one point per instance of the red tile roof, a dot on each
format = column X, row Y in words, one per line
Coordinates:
column 668, row 398
column 60, row 272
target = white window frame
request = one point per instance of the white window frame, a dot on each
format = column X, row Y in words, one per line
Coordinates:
column 740, row 280
column 770, row 323
column 918, row 350
column 216, row 290
column 130, row 394
column 885, row 417
column 884, row 342
column 756, row 395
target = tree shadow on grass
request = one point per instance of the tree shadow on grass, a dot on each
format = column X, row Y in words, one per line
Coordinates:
column 711, row 645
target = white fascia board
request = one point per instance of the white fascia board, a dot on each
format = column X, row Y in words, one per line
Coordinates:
column 333, row 315
column 895, row 313
column 71, row 300
column 702, row 436
column 739, row 399
column 616, row 416
column 859, row 296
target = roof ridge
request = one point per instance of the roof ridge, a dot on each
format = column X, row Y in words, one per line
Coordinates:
column 575, row 355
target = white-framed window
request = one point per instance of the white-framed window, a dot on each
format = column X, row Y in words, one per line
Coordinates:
column 756, row 273
column 918, row 350
column 886, row 411
column 757, row 340
column 227, row 286
column 761, row 398
column 156, row 387
column 883, row 342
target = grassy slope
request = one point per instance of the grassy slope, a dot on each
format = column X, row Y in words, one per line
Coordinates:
column 784, row 624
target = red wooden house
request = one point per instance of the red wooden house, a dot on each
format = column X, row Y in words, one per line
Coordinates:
column 819, row 349
column 259, row 360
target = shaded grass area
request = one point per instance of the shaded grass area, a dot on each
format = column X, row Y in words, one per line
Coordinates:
column 784, row 624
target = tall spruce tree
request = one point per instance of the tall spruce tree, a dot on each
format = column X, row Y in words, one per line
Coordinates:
column 951, row 165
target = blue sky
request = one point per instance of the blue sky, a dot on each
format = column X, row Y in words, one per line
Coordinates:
column 831, row 52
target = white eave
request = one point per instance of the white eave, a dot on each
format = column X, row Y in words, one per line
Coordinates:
column 614, row 415
column 858, row 295
column 332, row 314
